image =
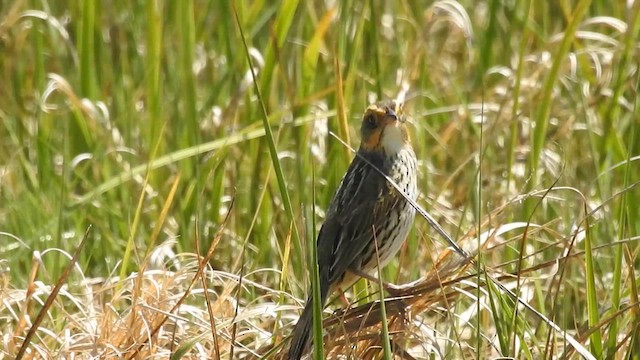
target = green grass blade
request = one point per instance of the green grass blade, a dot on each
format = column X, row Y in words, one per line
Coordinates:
column 593, row 305
column 544, row 109
column 384, row 323
column 284, row 18
column 270, row 140
column 153, row 76
column 318, row 349
column 246, row 134
column 612, row 112
column 190, row 133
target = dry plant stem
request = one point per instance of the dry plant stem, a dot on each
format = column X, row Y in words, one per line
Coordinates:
column 212, row 320
column 202, row 264
column 392, row 289
column 234, row 327
column 415, row 205
column 52, row 297
column 22, row 323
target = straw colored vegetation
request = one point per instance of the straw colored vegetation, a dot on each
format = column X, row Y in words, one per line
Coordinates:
column 152, row 205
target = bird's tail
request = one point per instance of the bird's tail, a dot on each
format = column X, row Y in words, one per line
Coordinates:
column 302, row 331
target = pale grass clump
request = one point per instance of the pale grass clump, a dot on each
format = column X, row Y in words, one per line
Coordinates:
column 155, row 313
column 167, row 309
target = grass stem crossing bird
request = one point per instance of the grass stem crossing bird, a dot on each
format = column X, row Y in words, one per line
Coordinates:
column 366, row 212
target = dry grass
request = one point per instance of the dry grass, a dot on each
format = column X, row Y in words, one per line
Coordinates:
column 179, row 307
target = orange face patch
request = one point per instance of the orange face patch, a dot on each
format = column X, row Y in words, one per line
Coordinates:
column 372, row 142
column 376, row 118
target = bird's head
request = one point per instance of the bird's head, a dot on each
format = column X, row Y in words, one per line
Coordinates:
column 383, row 129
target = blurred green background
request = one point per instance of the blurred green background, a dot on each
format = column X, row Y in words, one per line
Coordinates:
column 141, row 119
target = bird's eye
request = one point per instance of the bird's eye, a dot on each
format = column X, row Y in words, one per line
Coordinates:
column 370, row 121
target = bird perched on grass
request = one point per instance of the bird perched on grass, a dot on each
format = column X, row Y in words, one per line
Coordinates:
column 366, row 212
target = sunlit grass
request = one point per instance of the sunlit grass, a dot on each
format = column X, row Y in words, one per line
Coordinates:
column 143, row 120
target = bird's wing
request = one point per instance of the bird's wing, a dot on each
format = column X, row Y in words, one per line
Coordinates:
column 356, row 208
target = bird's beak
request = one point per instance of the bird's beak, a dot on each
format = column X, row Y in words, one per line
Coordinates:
column 391, row 113
column 391, row 117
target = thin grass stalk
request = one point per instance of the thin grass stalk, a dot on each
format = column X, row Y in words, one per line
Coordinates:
column 613, row 112
column 154, row 98
column 189, row 134
column 593, row 306
column 86, row 49
column 623, row 229
column 318, row 348
column 44, row 311
column 374, row 23
column 133, row 229
column 281, row 26
column 244, row 135
column 609, row 141
column 515, row 123
column 384, row 324
column 542, row 116
column 270, row 140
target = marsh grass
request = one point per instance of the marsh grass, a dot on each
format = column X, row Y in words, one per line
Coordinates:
column 143, row 120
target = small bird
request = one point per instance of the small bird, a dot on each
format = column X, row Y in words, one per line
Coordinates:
column 366, row 212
